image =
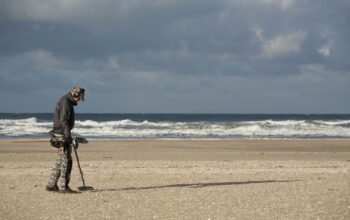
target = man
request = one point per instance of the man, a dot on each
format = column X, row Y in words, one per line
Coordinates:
column 63, row 123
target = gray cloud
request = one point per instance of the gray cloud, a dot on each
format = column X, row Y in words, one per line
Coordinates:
column 179, row 56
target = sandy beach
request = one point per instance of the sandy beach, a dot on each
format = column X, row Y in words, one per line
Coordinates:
column 243, row 179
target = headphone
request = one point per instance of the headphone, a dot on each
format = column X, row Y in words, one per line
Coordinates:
column 78, row 92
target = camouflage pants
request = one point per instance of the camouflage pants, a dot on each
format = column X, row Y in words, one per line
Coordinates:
column 62, row 168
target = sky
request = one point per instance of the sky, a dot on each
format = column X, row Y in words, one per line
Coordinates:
column 176, row 56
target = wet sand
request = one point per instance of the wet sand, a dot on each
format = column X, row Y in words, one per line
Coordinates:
column 245, row 179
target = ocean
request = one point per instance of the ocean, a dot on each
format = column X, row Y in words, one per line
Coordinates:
column 182, row 126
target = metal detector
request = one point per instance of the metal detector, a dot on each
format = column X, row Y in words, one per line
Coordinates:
column 76, row 141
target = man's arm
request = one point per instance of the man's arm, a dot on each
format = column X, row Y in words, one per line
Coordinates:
column 64, row 118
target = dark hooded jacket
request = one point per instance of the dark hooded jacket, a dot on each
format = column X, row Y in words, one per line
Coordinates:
column 64, row 118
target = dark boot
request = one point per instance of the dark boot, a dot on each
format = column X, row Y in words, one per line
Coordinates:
column 52, row 188
column 68, row 190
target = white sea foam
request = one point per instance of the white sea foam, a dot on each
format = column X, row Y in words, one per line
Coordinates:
column 129, row 129
column 23, row 127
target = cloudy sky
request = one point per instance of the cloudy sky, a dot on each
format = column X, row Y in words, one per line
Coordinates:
column 176, row 56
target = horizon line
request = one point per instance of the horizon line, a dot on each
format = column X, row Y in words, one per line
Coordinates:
column 183, row 113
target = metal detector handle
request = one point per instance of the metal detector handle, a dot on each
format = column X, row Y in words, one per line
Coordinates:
column 81, row 172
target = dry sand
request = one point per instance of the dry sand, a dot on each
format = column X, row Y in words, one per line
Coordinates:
column 247, row 179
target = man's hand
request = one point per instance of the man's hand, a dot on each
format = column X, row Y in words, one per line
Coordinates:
column 75, row 144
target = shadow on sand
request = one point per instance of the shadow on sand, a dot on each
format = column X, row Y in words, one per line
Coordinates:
column 194, row 185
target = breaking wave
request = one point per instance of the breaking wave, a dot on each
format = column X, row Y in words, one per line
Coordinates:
column 129, row 129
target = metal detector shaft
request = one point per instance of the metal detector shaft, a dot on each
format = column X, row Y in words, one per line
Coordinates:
column 81, row 172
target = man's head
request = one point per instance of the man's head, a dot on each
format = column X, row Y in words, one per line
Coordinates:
column 78, row 94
